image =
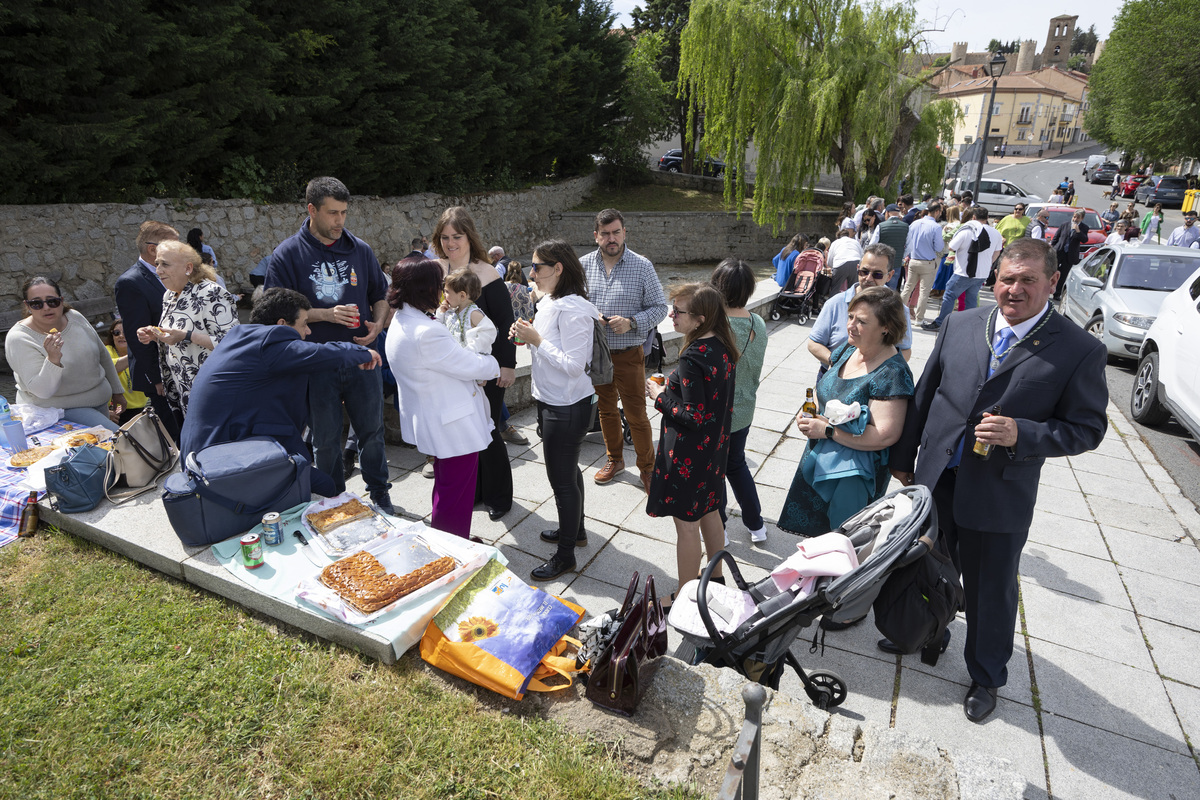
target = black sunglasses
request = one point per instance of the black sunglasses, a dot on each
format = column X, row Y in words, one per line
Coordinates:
column 536, row 266
column 39, row 304
column 676, row 311
column 877, row 275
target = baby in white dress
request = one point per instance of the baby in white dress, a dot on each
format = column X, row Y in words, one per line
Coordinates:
column 470, row 327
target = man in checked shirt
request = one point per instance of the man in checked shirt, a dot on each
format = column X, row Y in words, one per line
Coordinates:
column 626, row 290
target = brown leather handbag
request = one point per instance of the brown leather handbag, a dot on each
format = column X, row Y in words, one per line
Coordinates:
column 626, row 664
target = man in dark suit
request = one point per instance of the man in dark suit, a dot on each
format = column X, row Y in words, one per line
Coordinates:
column 256, row 382
column 139, row 294
column 1031, row 384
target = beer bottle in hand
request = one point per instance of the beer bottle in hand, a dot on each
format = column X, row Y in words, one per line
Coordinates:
column 809, row 409
column 981, row 450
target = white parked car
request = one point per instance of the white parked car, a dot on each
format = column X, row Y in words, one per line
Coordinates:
column 1168, row 375
column 995, row 195
column 1115, row 293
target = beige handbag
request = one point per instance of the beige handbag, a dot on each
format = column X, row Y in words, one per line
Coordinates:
column 142, row 453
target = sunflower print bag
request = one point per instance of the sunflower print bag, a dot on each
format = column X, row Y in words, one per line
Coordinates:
column 500, row 633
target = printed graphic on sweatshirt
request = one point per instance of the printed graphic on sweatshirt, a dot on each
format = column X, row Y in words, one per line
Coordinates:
column 329, row 280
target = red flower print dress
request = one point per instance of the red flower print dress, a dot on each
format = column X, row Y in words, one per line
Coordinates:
column 689, row 468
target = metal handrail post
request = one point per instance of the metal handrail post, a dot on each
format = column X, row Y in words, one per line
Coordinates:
column 741, row 779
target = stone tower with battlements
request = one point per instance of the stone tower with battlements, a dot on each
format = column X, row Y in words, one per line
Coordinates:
column 958, row 53
column 1026, row 55
column 1058, row 41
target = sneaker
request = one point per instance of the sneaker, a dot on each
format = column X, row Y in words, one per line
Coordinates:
column 557, row 565
column 427, row 470
column 759, row 535
column 609, row 471
column 932, row 325
column 513, row 436
column 383, row 502
column 348, row 462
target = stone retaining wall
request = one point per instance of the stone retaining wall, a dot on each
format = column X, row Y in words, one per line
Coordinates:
column 86, row 246
column 681, row 237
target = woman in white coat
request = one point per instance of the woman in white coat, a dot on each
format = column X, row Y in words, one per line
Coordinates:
column 560, row 342
column 443, row 410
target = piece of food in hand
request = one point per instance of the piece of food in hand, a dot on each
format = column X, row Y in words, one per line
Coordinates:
column 364, row 583
column 29, row 457
column 54, row 330
column 327, row 519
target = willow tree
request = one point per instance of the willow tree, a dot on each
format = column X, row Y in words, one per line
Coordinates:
column 817, row 85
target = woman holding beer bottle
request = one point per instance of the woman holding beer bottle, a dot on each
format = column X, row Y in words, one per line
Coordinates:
column 866, row 370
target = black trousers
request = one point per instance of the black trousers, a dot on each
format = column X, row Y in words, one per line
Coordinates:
column 988, row 563
column 494, row 486
column 563, row 429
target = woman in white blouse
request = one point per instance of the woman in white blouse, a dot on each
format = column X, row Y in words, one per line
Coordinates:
column 560, row 341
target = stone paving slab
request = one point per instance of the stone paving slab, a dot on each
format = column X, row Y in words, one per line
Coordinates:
column 1070, row 573
column 1170, row 559
column 1106, row 695
column 1162, row 598
column 1151, row 521
column 1076, row 535
column 1174, row 648
column 1083, row 625
column 1096, row 764
column 933, row 704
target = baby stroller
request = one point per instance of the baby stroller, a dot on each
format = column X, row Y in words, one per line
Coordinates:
column 751, row 628
column 799, row 295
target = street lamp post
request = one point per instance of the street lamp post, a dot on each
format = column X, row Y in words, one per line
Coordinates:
column 995, row 69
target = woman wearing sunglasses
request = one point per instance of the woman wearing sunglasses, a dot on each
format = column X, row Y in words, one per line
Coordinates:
column 59, row 360
column 118, row 351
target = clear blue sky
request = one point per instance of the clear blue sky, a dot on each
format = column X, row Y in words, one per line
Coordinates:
column 976, row 24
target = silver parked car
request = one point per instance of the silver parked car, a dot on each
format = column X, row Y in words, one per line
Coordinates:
column 1116, row 292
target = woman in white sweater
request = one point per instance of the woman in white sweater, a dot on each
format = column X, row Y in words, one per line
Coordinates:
column 59, row 360
column 560, row 342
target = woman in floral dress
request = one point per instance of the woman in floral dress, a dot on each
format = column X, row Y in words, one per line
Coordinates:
column 696, row 406
column 197, row 313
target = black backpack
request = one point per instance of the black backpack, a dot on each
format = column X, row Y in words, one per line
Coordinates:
column 918, row 601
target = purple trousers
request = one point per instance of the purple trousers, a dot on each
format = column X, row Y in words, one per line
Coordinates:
column 454, row 493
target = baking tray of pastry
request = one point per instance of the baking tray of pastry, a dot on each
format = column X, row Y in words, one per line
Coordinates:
column 400, row 568
column 343, row 524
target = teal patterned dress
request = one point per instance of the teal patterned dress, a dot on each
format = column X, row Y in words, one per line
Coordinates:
column 804, row 512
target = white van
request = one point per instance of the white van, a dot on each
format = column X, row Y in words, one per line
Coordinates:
column 995, row 195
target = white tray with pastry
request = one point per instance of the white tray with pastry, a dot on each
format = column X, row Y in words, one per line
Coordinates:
column 342, row 524
column 399, row 568
column 97, row 435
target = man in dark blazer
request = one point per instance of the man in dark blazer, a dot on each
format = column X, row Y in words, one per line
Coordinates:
column 1039, row 379
column 256, row 382
column 139, row 294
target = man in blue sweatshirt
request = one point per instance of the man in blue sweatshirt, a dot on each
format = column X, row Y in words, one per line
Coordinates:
column 341, row 277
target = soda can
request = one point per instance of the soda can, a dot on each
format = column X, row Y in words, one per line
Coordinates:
column 252, row 553
column 659, row 378
column 272, row 529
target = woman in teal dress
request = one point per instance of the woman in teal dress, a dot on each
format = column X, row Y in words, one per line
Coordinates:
column 866, row 370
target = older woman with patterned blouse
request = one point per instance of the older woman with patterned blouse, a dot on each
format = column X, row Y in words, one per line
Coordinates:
column 696, row 404
column 197, row 313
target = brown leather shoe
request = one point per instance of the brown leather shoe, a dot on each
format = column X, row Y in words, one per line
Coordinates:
column 646, row 481
column 609, row 471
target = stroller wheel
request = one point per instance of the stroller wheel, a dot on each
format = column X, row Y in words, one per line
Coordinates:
column 775, row 315
column 826, row 689
column 803, row 318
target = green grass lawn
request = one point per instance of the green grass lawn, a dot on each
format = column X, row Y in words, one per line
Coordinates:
column 120, row 682
column 652, row 197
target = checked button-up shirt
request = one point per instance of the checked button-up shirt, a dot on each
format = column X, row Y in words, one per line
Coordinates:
column 632, row 290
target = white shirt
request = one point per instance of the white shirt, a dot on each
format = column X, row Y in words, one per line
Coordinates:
column 961, row 242
column 842, row 251
column 1020, row 330
column 559, row 362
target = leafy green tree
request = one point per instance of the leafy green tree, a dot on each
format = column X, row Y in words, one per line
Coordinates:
column 669, row 17
column 818, row 85
column 994, row 46
column 1084, row 41
column 644, row 111
column 1145, row 104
